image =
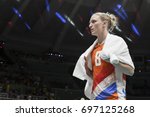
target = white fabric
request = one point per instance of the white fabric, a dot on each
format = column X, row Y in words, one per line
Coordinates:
column 104, row 55
column 114, row 59
column 114, row 45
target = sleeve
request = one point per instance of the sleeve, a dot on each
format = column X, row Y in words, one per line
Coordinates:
column 117, row 46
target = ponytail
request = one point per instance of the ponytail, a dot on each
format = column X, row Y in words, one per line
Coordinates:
column 113, row 22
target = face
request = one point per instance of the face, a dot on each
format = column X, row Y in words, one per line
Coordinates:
column 96, row 25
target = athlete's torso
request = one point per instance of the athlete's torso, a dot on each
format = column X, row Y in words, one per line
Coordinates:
column 104, row 80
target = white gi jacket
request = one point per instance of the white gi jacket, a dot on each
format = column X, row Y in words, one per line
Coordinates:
column 114, row 45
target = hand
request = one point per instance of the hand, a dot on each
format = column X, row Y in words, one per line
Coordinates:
column 88, row 71
column 105, row 56
column 114, row 59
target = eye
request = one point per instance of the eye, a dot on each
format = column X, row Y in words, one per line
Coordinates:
column 92, row 21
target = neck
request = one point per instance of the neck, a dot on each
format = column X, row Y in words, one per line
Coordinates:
column 102, row 37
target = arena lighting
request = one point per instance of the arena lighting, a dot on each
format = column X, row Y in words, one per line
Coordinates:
column 120, row 7
column 123, row 11
column 55, row 54
column 73, row 24
column 20, row 17
column 117, row 11
column 17, row 13
column 129, row 39
column 69, row 20
column 135, row 30
column 118, row 29
column 47, row 5
column 60, row 17
column 79, row 32
column 27, row 26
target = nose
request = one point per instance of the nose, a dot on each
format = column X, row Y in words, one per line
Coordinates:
column 90, row 25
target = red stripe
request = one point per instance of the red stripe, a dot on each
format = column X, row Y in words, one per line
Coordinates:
column 102, row 75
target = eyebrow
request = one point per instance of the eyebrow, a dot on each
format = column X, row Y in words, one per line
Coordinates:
column 92, row 20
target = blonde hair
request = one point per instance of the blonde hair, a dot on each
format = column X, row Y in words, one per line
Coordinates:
column 112, row 20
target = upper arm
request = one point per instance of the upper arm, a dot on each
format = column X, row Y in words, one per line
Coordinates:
column 127, row 69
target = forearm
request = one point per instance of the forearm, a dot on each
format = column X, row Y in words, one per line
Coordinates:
column 125, row 68
column 113, row 59
column 88, row 71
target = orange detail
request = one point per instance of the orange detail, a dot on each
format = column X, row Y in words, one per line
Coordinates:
column 102, row 71
column 113, row 97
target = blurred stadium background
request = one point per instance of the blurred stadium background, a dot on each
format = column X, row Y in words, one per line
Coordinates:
column 41, row 40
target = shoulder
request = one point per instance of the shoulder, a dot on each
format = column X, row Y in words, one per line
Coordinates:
column 117, row 38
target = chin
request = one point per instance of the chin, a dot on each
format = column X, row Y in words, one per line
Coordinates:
column 93, row 34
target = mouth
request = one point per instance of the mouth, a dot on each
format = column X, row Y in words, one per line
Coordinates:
column 92, row 30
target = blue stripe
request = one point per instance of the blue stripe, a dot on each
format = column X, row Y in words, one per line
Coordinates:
column 107, row 92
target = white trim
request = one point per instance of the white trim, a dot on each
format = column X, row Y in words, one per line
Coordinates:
column 109, row 80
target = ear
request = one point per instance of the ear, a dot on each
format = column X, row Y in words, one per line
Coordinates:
column 105, row 22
